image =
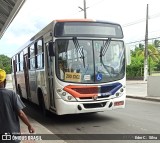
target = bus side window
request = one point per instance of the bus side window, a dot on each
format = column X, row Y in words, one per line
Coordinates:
column 39, row 54
column 17, row 63
column 21, row 61
column 32, row 57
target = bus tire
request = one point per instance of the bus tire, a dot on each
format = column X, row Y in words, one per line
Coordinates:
column 41, row 103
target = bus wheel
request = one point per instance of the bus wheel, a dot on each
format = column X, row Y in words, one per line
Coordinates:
column 41, row 103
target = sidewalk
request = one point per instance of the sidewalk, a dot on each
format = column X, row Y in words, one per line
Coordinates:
column 137, row 89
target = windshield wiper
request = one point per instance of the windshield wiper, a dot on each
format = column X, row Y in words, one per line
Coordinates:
column 103, row 51
column 79, row 49
column 105, row 47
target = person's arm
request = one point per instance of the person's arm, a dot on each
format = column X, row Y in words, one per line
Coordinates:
column 24, row 118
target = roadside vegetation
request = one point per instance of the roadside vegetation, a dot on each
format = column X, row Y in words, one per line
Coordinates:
column 5, row 63
column 136, row 69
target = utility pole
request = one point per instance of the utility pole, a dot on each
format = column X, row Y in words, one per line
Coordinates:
column 146, row 49
column 84, row 9
column 85, row 12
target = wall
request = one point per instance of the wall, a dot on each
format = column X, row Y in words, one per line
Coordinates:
column 153, row 86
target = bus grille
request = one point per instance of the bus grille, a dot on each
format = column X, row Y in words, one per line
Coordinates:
column 94, row 105
column 99, row 97
column 91, row 90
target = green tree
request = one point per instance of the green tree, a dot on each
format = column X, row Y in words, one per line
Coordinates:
column 135, row 69
column 5, row 63
column 153, row 53
column 157, row 43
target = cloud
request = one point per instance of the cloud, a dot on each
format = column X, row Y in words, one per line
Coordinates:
column 36, row 14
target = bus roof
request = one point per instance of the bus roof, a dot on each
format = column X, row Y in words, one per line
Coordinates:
column 49, row 26
column 84, row 20
column 73, row 20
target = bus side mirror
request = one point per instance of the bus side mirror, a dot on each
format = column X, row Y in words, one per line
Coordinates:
column 128, row 55
column 51, row 48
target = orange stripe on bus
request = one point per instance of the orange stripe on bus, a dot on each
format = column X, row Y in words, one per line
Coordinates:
column 73, row 20
column 75, row 91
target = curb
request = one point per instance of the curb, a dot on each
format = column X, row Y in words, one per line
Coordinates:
column 144, row 98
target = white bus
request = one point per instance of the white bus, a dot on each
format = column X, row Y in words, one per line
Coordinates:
column 73, row 66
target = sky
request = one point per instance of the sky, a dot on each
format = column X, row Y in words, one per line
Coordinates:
column 36, row 14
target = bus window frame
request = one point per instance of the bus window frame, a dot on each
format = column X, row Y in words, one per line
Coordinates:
column 21, row 61
column 31, row 57
column 37, row 54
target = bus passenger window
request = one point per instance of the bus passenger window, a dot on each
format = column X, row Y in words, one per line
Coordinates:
column 17, row 63
column 21, row 61
column 40, row 54
column 32, row 57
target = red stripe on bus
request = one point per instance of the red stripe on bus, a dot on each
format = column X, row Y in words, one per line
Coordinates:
column 81, row 91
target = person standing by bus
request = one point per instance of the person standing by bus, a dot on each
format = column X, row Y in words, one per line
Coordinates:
column 10, row 109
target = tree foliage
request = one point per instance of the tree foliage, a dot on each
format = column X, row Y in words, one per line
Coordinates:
column 5, row 63
column 136, row 68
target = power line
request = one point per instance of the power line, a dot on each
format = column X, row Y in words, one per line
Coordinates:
column 155, row 15
column 127, row 24
column 138, row 41
column 133, row 23
column 141, row 20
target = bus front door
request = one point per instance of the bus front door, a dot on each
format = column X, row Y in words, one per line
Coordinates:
column 26, row 75
column 50, row 67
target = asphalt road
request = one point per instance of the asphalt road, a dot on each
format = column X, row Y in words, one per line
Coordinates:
column 139, row 117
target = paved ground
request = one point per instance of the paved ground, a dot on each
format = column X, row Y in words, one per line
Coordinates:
column 139, row 117
column 138, row 89
column 135, row 89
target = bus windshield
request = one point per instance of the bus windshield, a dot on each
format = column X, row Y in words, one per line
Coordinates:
column 89, row 61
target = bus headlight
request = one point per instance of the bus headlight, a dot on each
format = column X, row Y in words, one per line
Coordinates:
column 65, row 95
column 70, row 97
column 59, row 90
column 117, row 94
column 120, row 92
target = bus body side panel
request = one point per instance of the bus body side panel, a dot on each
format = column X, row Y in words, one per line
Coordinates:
column 21, row 84
column 41, row 86
column 33, row 86
column 47, row 37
